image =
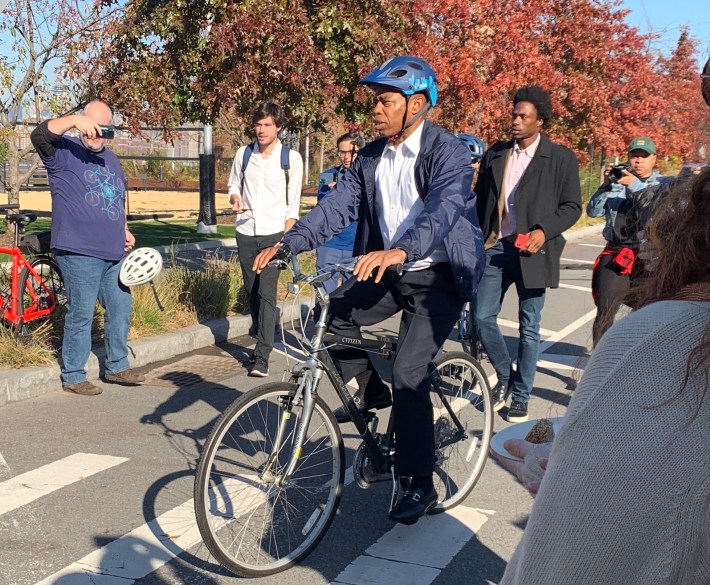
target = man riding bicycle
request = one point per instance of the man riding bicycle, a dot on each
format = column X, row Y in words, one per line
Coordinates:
column 410, row 192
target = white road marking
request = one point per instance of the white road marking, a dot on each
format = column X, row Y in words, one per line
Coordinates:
column 415, row 555
column 151, row 545
column 564, row 332
column 593, row 245
column 563, row 362
column 577, row 261
column 515, row 325
column 27, row 487
column 136, row 554
column 576, row 287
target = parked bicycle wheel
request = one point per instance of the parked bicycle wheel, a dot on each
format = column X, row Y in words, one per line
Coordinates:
column 252, row 521
column 459, row 464
column 36, row 297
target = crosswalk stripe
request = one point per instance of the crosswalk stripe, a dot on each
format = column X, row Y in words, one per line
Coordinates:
column 415, row 555
column 27, row 487
column 136, row 554
column 515, row 325
column 576, row 287
column 576, row 261
column 565, row 331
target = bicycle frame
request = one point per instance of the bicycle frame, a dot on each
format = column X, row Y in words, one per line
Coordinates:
column 310, row 372
column 10, row 306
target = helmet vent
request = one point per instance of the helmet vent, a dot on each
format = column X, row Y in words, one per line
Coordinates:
column 398, row 73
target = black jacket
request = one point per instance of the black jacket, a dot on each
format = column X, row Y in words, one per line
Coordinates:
column 548, row 196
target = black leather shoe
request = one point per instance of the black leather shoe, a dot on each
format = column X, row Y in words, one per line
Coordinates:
column 499, row 395
column 413, row 505
column 381, row 399
column 518, row 412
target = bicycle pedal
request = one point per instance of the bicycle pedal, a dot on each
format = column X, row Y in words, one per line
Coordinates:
column 369, row 417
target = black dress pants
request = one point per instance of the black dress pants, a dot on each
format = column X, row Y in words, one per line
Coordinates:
column 609, row 287
column 261, row 290
column 430, row 306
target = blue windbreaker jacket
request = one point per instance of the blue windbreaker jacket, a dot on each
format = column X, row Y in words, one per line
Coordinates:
column 443, row 177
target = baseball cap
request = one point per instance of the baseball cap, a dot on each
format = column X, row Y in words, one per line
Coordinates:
column 643, row 143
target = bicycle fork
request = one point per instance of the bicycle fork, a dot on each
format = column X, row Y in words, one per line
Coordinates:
column 306, row 394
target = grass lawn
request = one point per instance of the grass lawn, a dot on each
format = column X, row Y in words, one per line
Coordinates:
column 148, row 233
column 166, row 233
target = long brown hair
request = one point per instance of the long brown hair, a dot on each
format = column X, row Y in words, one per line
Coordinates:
column 680, row 235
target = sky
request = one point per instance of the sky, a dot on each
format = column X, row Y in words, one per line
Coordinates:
column 666, row 17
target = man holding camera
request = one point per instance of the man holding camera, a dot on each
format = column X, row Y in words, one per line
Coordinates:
column 616, row 266
column 90, row 237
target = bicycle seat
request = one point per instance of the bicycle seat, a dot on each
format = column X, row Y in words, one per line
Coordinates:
column 21, row 218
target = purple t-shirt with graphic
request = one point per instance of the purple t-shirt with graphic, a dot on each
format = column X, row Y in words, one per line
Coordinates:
column 88, row 194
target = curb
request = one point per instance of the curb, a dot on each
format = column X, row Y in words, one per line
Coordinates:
column 25, row 383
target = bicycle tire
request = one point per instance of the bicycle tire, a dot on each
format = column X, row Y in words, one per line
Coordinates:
column 32, row 295
column 252, row 526
column 459, row 465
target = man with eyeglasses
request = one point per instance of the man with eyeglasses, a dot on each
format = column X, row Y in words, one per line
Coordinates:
column 339, row 246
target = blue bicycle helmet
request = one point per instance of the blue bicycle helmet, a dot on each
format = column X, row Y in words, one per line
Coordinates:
column 406, row 74
column 475, row 145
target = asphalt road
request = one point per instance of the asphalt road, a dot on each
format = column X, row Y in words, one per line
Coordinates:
column 97, row 490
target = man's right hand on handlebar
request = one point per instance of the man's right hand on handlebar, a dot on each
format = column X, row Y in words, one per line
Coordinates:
column 264, row 257
column 380, row 260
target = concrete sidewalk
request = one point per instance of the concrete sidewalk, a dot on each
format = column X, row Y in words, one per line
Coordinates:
column 24, row 383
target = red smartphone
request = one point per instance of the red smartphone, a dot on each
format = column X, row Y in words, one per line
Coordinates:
column 521, row 240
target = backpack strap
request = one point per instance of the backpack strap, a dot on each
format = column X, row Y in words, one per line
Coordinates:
column 286, row 166
column 248, row 151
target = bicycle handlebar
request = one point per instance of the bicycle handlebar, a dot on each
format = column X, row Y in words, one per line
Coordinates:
column 345, row 266
column 9, row 206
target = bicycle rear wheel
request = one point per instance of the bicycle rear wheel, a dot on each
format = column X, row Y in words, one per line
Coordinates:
column 253, row 525
column 35, row 297
column 459, row 465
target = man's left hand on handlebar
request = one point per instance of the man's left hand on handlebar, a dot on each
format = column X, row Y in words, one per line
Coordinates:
column 381, row 260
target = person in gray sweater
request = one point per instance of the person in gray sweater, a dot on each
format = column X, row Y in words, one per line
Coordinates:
column 625, row 498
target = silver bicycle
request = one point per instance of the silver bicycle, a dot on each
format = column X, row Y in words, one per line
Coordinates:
column 271, row 473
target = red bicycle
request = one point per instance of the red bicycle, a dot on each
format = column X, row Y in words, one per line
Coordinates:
column 31, row 290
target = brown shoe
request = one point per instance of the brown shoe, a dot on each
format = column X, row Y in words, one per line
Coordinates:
column 84, row 388
column 126, row 377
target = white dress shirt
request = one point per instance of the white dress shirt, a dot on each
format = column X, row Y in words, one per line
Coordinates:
column 397, row 200
column 264, row 197
column 518, row 162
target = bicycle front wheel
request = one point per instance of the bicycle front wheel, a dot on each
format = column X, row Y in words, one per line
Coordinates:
column 41, row 301
column 460, row 460
column 253, row 520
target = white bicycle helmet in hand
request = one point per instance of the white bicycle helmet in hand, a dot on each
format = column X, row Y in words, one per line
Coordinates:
column 140, row 266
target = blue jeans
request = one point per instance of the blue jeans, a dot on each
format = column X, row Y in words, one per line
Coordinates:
column 87, row 280
column 502, row 270
column 326, row 256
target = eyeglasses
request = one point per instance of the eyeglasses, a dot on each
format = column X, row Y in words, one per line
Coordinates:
column 351, row 152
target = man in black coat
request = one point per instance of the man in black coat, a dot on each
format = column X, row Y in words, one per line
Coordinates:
column 528, row 194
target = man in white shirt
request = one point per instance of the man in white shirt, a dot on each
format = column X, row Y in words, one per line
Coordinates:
column 265, row 193
column 411, row 194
